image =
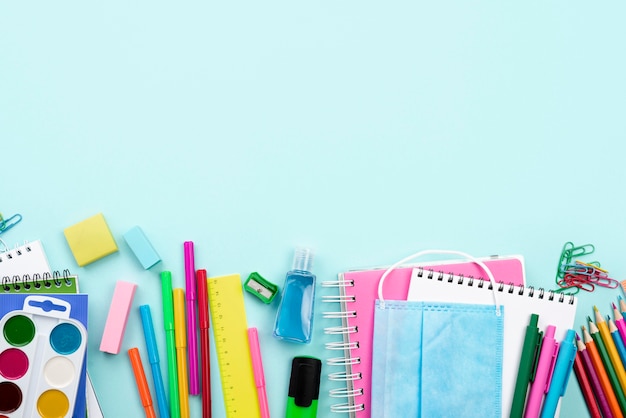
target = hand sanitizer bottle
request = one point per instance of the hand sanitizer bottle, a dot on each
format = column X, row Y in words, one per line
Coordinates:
column 294, row 320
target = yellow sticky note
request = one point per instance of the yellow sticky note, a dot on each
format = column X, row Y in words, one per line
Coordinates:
column 90, row 240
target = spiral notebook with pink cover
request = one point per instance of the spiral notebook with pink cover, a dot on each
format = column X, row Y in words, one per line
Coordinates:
column 358, row 292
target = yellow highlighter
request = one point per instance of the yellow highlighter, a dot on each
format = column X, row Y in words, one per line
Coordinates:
column 181, row 351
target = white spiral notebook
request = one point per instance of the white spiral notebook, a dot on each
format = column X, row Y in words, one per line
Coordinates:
column 519, row 303
column 28, row 258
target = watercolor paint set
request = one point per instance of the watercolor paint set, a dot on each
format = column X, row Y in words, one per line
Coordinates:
column 43, row 342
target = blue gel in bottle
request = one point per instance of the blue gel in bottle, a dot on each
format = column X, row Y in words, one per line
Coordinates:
column 294, row 320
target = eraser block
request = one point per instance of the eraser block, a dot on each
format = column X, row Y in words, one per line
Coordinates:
column 117, row 318
column 90, row 240
column 141, row 247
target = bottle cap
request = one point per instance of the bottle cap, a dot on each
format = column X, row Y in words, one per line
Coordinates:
column 303, row 259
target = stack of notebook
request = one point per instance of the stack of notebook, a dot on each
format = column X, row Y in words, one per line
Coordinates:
column 442, row 282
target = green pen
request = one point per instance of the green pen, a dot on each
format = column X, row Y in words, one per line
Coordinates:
column 527, row 366
column 170, row 342
column 304, row 387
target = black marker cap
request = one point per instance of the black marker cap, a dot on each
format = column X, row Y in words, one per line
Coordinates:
column 304, row 384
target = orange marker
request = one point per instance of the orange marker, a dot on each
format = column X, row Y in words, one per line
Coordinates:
column 602, row 375
column 142, row 383
column 181, row 351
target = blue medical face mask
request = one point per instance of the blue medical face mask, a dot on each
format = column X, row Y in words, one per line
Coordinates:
column 436, row 359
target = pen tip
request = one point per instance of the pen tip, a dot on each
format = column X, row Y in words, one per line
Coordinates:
column 595, row 308
column 578, row 336
column 588, row 318
column 613, row 305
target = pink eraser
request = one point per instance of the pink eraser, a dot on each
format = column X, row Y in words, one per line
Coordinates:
column 117, row 318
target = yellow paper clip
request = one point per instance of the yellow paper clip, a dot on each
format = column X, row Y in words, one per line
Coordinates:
column 6, row 224
column 594, row 265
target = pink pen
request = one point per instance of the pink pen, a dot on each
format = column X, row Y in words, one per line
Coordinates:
column 541, row 383
column 257, row 367
column 192, row 338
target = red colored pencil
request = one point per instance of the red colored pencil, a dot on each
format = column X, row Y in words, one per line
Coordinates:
column 585, row 387
column 589, row 382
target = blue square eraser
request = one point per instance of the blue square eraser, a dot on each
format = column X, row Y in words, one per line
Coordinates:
column 143, row 250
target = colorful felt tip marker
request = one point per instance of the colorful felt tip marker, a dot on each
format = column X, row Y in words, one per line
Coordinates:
column 304, row 387
column 547, row 356
column 560, row 375
column 192, row 339
column 259, row 375
column 153, row 357
column 142, row 383
column 181, row 351
column 170, row 341
column 203, row 320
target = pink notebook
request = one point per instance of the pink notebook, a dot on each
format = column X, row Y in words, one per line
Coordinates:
column 358, row 291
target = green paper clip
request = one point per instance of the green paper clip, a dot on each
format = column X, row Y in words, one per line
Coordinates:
column 261, row 288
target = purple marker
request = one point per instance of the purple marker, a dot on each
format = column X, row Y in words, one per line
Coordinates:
column 192, row 340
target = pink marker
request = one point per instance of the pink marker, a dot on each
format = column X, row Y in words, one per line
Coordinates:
column 192, row 339
column 541, row 383
column 257, row 368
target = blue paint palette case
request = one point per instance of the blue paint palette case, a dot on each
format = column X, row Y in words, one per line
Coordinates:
column 42, row 353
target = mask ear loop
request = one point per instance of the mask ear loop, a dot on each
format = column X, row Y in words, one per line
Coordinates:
column 450, row 252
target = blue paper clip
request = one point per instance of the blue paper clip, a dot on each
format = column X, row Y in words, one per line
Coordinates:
column 6, row 224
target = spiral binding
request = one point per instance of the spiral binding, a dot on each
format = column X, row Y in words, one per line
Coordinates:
column 346, row 361
column 7, row 253
column 509, row 287
column 25, row 283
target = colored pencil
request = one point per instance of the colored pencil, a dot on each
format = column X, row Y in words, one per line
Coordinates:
column 585, row 388
column 608, row 365
column 611, row 349
column 594, row 381
column 619, row 323
column 603, row 376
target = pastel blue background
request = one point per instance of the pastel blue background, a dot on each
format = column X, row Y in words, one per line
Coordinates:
column 366, row 130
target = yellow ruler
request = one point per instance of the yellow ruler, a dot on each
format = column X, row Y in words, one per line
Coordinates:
column 230, row 332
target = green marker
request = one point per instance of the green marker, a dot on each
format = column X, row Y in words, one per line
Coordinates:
column 527, row 366
column 304, row 387
column 170, row 342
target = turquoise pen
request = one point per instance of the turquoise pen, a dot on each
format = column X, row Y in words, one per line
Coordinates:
column 170, row 342
column 560, row 375
column 153, row 357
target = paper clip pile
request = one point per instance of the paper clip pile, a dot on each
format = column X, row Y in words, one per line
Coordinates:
column 6, row 224
column 575, row 275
